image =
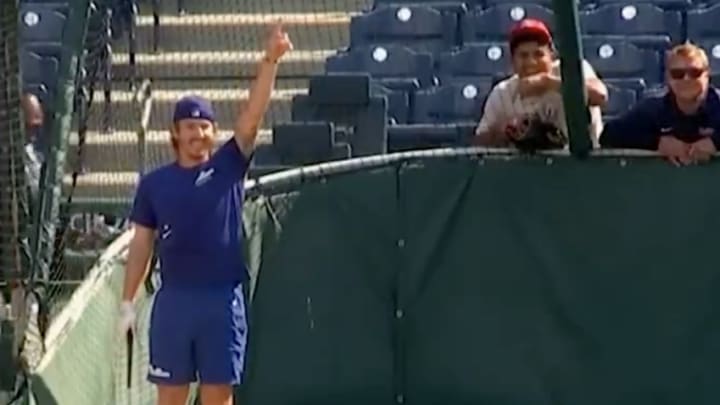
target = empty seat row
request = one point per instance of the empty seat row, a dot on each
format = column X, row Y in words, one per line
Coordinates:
column 434, row 29
column 612, row 58
column 667, row 4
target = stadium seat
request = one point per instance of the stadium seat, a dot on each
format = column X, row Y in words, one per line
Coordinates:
column 364, row 127
column 341, row 151
column 632, row 20
column 385, row 62
column 302, row 143
column 704, row 23
column 545, row 3
column 679, row 5
column 40, row 65
column 417, row 27
column 44, row 22
column 456, row 6
column 265, row 155
column 494, row 23
column 398, row 103
column 485, row 59
column 456, row 102
column 340, row 88
column 712, row 48
column 619, row 59
column 423, row 136
column 620, row 99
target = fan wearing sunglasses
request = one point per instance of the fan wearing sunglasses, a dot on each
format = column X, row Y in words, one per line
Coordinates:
column 683, row 125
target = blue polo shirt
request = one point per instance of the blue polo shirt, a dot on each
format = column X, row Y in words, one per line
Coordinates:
column 197, row 213
column 651, row 118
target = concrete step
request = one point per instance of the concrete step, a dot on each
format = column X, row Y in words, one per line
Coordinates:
column 221, row 64
column 238, row 32
column 119, row 151
column 258, row 6
column 108, row 185
column 242, row 64
column 125, row 117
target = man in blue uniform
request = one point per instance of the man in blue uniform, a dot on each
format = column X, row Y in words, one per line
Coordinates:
column 190, row 211
column 683, row 125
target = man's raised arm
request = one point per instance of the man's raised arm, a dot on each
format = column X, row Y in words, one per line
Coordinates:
column 251, row 113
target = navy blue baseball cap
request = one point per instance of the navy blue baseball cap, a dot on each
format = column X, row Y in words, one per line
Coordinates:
column 195, row 107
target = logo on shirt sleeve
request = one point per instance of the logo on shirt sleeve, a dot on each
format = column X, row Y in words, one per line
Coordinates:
column 204, row 176
column 165, row 232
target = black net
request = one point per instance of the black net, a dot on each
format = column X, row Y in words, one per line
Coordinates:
column 13, row 201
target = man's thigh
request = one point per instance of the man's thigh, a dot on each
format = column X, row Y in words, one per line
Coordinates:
column 172, row 359
column 220, row 348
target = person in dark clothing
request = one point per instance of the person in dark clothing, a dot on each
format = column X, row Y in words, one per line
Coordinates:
column 683, row 125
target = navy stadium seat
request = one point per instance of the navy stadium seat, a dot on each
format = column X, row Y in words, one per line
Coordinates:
column 341, row 151
column 385, row 62
column 425, row 136
column 42, row 22
column 712, row 48
column 545, row 3
column 398, row 103
column 445, row 5
column 494, row 23
column 364, row 127
column 620, row 99
column 704, row 23
column 667, row 4
column 451, row 103
column 40, row 64
column 418, row 27
column 302, row 143
column 633, row 19
column 488, row 59
column 616, row 58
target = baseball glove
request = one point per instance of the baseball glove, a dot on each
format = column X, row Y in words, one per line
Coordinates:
column 534, row 134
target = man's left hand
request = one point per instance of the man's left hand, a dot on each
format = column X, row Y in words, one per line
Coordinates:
column 278, row 43
column 702, row 151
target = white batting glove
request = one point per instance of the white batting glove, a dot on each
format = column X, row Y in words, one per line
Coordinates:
column 127, row 317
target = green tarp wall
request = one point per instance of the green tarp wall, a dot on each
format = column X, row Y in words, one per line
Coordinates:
column 503, row 281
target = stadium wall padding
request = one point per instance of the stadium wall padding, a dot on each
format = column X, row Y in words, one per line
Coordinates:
column 504, row 281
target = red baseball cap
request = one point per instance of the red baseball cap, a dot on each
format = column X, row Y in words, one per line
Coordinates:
column 529, row 29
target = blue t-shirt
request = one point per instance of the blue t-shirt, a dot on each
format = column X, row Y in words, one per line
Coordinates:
column 197, row 213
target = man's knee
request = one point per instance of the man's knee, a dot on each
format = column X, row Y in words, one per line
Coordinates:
column 172, row 394
column 216, row 394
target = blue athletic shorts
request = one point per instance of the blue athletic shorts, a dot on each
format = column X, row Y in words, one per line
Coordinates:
column 196, row 334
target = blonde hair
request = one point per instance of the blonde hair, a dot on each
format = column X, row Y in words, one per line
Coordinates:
column 688, row 50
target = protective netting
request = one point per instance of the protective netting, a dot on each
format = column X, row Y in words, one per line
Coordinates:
column 13, row 201
column 84, row 233
column 82, row 343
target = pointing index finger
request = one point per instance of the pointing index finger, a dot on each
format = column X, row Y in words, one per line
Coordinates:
column 277, row 27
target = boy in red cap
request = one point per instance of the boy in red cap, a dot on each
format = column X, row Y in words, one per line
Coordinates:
column 533, row 92
column 191, row 211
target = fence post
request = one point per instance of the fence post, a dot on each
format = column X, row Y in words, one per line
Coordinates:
column 567, row 32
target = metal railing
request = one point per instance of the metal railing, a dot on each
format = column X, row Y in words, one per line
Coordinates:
column 143, row 101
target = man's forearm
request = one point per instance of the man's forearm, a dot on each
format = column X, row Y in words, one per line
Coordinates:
column 135, row 270
column 597, row 92
column 252, row 112
column 596, row 89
